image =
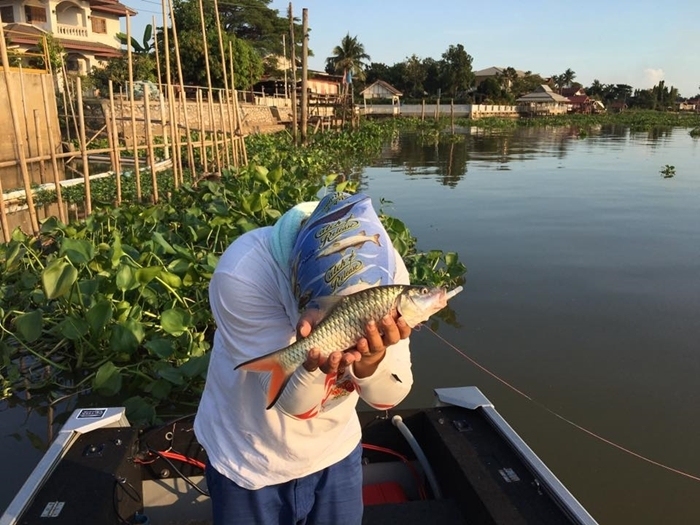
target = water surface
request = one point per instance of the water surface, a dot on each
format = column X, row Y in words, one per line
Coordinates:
column 582, row 291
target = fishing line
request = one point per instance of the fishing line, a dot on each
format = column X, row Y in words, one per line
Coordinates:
column 559, row 416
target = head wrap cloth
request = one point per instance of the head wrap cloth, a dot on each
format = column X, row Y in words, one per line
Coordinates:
column 341, row 247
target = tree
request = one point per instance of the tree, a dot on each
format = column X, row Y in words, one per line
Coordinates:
column 567, row 77
column 248, row 64
column 456, row 71
column 348, row 57
column 145, row 46
column 415, row 76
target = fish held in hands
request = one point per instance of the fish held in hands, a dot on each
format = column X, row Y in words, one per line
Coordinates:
column 344, row 323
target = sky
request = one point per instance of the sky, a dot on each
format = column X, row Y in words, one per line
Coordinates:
column 615, row 41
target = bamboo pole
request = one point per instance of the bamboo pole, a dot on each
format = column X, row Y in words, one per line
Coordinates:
column 422, row 110
column 83, row 145
column 235, row 122
column 137, row 171
column 149, row 144
column 452, row 114
column 210, row 94
column 225, row 135
column 190, row 147
column 202, row 137
column 52, row 151
column 304, row 74
column 174, row 131
column 42, row 167
column 19, row 146
column 226, row 89
column 117, row 152
column 166, row 141
column 5, row 73
column 294, row 74
column 27, row 137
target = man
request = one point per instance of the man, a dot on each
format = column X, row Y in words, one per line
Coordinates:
column 299, row 461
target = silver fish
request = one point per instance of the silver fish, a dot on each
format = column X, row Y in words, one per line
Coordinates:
column 354, row 241
column 344, row 324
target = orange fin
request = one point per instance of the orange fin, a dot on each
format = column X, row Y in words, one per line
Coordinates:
column 278, row 377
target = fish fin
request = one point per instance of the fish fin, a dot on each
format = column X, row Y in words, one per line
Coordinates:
column 278, row 377
column 376, row 239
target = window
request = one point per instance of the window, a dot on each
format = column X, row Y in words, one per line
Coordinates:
column 34, row 14
column 7, row 14
column 99, row 25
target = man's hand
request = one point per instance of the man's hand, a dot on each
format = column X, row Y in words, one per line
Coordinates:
column 365, row 356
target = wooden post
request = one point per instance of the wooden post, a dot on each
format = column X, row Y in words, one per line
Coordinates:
column 294, row 74
column 174, row 130
column 233, row 109
column 137, row 170
column 27, row 137
column 210, row 93
column 115, row 144
column 183, row 99
column 422, row 110
column 149, row 143
column 226, row 88
column 83, row 146
column 202, row 137
column 5, row 73
column 163, row 129
column 19, row 145
column 52, row 148
column 452, row 114
column 304, row 74
column 226, row 136
column 39, row 148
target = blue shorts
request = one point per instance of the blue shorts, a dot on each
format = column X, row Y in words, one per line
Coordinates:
column 328, row 497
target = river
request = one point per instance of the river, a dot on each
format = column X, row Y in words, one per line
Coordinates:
column 582, row 292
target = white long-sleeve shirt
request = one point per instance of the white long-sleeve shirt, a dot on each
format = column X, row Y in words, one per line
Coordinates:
column 314, row 424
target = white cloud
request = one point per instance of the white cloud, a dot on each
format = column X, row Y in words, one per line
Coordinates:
column 653, row 76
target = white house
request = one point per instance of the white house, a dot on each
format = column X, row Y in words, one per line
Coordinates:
column 87, row 29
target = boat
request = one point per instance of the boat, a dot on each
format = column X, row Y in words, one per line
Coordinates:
column 456, row 462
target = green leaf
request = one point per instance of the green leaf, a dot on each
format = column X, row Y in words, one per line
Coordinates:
column 171, row 374
column 29, row 325
column 108, row 380
column 122, row 339
column 170, row 279
column 126, row 280
column 99, row 316
column 78, row 251
column 196, row 366
column 175, row 321
column 146, row 275
column 58, row 278
column 140, row 411
column 160, row 347
column 73, row 328
column 160, row 241
column 160, row 389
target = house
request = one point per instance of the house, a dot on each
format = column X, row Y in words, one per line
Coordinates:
column 543, row 101
column 381, row 90
column 86, row 29
column 494, row 72
column 322, row 83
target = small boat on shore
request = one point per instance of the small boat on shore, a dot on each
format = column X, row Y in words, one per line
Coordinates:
column 457, row 462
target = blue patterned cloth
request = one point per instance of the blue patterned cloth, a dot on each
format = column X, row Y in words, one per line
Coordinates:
column 342, row 247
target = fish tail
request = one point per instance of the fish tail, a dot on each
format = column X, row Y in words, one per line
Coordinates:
column 278, row 376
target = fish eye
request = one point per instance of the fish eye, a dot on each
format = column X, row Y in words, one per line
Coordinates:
column 424, row 290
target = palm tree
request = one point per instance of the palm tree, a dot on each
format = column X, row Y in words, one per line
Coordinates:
column 348, row 57
column 567, row 77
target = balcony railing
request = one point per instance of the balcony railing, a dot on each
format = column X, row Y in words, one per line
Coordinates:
column 67, row 30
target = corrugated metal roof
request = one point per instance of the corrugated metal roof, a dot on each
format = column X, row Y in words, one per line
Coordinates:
column 543, row 94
